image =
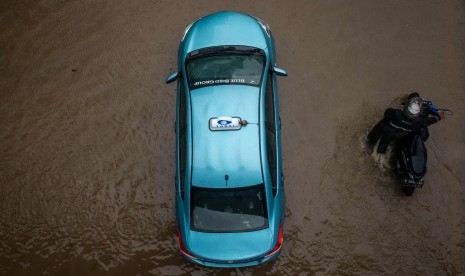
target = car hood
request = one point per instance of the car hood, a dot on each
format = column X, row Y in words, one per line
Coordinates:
column 224, row 28
column 224, row 247
column 235, row 153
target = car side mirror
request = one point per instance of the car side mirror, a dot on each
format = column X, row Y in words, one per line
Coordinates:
column 172, row 77
column 279, row 71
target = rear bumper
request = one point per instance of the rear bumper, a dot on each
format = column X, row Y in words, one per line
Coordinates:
column 238, row 256
column 230, row 264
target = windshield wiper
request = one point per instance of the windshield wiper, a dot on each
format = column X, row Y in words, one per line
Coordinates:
column 225, row 49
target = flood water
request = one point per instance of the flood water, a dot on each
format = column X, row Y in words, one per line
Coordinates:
column 87, row 139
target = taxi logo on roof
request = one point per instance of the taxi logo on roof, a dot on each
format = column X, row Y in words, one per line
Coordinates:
column 225, row 123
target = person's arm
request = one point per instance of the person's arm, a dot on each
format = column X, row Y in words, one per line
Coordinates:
column 388, row 113
column 442, row 115
column 433, row 119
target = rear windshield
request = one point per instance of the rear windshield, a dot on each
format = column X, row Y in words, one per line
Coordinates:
column 228, row 210
column 225, row 69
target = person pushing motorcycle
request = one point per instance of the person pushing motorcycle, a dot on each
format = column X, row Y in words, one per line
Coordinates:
column 397, row 123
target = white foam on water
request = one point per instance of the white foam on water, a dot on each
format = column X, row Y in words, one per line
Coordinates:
column 382, row 160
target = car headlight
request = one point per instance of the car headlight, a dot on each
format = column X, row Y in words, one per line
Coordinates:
column 186, row 31
column 265, row 26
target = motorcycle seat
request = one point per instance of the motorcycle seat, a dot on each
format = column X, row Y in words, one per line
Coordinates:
column 418, row 155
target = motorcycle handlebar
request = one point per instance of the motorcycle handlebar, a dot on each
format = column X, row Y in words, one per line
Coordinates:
column 429, row 106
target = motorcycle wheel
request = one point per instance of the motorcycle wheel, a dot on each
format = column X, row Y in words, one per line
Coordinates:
column 408, row 191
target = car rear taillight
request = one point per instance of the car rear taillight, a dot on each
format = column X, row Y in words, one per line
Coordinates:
column 279, row 243
column 182, row 248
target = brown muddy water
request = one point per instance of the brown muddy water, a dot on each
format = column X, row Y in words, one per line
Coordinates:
column 87, row 142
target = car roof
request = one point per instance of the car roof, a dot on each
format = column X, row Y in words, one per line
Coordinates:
column 225, row 28
column 235, row 153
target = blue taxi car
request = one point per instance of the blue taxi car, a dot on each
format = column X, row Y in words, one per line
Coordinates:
column 229, row 180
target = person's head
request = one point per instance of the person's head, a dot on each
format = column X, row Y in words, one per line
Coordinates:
column 412, row 108
column 413, row 95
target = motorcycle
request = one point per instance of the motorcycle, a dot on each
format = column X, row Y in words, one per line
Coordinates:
column 411, row 155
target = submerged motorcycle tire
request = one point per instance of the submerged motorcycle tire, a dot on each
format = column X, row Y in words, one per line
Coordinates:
column 408, row 190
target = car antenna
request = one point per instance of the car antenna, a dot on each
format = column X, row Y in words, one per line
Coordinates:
column 226, row 177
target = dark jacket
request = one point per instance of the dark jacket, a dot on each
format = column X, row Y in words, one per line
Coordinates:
column 397, row 119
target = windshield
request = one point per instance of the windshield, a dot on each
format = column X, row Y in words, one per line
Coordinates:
column 228, row 210
column 226, row 68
